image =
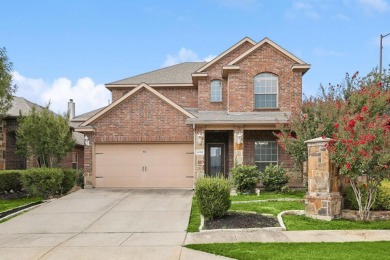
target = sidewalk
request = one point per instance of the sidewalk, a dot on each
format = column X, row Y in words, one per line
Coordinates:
column 267, row 236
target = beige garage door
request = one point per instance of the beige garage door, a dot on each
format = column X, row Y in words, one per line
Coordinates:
column 144, row 165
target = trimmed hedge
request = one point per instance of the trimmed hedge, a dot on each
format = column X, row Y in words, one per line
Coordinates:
column 213, row 196
column 245, row 178
column 68, row 181
column 11, row 180
column 42, row 182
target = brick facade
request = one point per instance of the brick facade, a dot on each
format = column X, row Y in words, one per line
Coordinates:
column 265, row 59
column 215, row 72
column 143, row 117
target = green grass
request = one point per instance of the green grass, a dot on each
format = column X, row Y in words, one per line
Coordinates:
column 249, row 251
column 10, row 204
column 304, row 223
column 273, row 208
column 265, row 195
column 194, row 222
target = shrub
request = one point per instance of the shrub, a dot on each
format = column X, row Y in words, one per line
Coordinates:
column 10, row 180
column 245, row 178
column 43, row 182
column 80, row 179
column 274, row 178
column 382, row 201
column 383, row 197
column 213, row 196
column 68, row 180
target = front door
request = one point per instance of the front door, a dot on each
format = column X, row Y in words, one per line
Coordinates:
column 216, row 159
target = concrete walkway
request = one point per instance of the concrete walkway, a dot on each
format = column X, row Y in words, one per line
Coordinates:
column 267, row 236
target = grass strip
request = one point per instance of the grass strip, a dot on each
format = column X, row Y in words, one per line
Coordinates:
column 347, row 250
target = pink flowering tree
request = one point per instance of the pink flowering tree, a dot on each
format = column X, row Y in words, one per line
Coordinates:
column 360, row 144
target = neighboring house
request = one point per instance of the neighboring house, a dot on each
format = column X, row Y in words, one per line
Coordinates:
column 10, row 159
column 167, row 127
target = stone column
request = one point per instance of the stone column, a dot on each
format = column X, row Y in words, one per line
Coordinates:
column 88, row 162
column 199, row 150
column 238, row 146
column 323, row 199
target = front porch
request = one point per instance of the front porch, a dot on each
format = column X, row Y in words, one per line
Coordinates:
column 218, row 149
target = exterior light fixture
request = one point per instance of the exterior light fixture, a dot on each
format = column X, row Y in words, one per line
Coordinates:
column 200, row 137
column 239, row 137
column 86, row 140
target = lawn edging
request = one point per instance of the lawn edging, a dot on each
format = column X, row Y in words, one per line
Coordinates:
column 201, row 230
column 21, row 209
column 288, row 212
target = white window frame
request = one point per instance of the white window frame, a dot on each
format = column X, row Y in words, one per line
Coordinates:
column 267, row 162
column 218, row 92
column 266, row 79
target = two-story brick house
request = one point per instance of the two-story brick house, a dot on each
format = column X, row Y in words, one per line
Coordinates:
column 167, row 127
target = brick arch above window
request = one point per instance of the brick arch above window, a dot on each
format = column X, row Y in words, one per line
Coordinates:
column 266, row 86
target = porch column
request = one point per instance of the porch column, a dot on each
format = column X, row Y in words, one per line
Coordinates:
column 199, row 140
column 238, row 146
column 323, row 199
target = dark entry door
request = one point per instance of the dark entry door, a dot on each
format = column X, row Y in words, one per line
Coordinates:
column 216, row 159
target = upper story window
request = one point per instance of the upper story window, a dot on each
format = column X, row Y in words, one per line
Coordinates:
column 216, row 91
column 266, row 90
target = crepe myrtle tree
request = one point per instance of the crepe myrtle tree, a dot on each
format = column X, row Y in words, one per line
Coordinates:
column 45, row 136
column 7, row 89
column 318, row 114
column 360, row 144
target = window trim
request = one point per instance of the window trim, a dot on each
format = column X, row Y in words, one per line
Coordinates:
column 276, row 93
column 268, row 162
column 220, row 91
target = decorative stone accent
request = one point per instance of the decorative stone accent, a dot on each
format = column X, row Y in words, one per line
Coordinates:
column 89, row 179
column 199, row 135
column 374, row 215
column 323, row 199
column 238, row 146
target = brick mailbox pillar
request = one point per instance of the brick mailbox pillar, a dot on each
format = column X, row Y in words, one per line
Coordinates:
column 323, row 199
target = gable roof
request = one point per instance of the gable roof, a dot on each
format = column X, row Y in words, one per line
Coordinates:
column 176, row 74
column 22, row 105
column 129, row 94
column 303, row 65
column 223, row 54
column 84, row 117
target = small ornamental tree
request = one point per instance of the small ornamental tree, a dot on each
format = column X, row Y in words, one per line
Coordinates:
column 44, row 135
column 7, row 89
column 360, row 144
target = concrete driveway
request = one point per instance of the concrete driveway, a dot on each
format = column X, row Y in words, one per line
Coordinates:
column 102, row 224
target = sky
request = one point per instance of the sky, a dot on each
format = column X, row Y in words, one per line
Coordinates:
column 70, row 49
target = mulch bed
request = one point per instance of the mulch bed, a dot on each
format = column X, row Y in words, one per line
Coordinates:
column 234, row 220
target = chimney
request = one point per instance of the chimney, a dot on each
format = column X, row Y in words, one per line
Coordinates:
column 71, row 109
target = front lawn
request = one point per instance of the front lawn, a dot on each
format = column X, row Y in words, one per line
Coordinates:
column 273, row 208
column 14, row 203
column 265, row 195
column 348, row 250
column 304, row 223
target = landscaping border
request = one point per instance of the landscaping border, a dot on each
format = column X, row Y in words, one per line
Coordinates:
column 19, row 210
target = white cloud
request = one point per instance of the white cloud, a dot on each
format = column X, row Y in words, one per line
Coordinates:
column 86, row 94
column 302, row 8
column 375, row 5
column 184, row 55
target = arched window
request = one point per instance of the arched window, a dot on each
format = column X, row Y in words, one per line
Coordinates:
column 266, row 90
column 216, row 91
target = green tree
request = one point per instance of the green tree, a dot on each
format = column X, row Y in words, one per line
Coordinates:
column 45, row 136
column 7, row 89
